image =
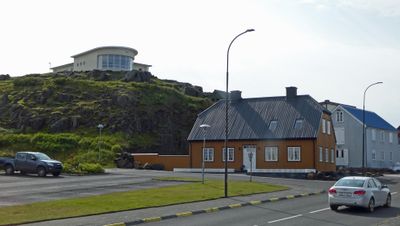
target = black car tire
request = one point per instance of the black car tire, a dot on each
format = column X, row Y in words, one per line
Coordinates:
column 388, row 201
column 56, row 174
column 41, row 171
column 23, row 172
column 9, row 170
column 334, row 207
column 371, row 205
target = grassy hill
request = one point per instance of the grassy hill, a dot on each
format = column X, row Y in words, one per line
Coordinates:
column 59, row 113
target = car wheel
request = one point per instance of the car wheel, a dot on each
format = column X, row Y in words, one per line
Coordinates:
column 371, row 205
column 56, row 174
column 388, row 201
column 9, row 170
column 23, row 172
column 334, row 207
column 41, row 171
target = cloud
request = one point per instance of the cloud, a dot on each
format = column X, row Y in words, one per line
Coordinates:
column 386, row 8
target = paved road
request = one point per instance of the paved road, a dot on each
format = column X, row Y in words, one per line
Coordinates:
column 312, row 210
column 265, row 214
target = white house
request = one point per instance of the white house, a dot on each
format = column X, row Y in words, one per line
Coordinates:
column 113, row 58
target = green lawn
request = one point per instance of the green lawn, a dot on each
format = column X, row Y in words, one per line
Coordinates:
column 188, row 192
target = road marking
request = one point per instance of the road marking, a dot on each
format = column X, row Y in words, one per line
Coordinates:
column 286, row 218
column 393, row 193
column 320, row 210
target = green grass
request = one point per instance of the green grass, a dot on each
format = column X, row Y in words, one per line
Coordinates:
column 188, row 192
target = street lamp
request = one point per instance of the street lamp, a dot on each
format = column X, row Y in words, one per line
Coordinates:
column 100, row 127
column 226, row 110
column 363, row 128
column 204, row 127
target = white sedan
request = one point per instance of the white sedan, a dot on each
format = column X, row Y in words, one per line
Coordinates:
column 367, row 192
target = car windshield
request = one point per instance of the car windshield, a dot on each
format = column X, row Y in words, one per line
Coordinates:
column 350, row 183
column 42, row 156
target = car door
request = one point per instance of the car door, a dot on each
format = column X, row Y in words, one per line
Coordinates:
column 20, row 161
column 30, row 163
column 381, row 194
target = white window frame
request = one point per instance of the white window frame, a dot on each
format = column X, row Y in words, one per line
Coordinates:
column 391, row 156
column 328, row 127
column 332, row 156
column 272, row 125
column 382, row 155
column 382, row 136
column 231, row 154
column 373, row 134
column 321, row 155
column 373, row 155
column 271, row 153
column 390, row 137
column 298, row 124
column 339, row 116
column 323, row 126
column 208, row 154
column 326, row 155
column 294, row 154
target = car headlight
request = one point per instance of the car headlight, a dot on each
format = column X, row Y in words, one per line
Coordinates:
column 50, row 164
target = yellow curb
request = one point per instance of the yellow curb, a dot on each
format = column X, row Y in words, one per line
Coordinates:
column 255, row 202
column 152, row 219
column 214, row 209
column 184, row 214
column 274, row 199
column 235, row 205
column 290, row 197
column 116, row 224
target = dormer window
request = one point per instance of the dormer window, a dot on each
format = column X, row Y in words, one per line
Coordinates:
column 339, row 116
column 272, row 125
column 298, row 124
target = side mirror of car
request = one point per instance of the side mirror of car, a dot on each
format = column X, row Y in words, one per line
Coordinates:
column 384, row 186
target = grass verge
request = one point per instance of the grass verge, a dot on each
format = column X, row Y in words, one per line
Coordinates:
column 119, row 201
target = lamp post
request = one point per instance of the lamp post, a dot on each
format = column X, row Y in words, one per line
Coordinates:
column 363, row 127
column 100, row 127
column 226, row 111
column 204, row 127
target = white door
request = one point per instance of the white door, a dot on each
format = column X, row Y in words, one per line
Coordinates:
column 249, row 152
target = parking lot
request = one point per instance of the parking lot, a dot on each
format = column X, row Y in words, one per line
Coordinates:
column 19, row 189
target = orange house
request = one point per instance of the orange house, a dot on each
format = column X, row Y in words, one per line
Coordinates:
column 284, row 134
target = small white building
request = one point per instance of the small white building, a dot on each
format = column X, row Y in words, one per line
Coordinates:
column 113, row 58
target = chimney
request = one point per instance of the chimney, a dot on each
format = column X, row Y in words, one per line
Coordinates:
column 291, row 92
column 235, row 95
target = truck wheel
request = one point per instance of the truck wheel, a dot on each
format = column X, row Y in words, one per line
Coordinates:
column 56, row 174
column 9, row 170
column 41, row 171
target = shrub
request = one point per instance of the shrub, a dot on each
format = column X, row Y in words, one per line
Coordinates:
column 55, row 143
column 91, row 168
column 116, row 148
column 27, row 81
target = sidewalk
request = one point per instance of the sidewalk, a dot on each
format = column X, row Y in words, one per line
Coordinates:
column 159, row 213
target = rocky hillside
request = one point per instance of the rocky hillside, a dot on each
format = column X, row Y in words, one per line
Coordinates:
column 153, row 115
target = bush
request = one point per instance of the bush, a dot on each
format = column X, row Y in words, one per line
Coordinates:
column 84, row 168
column 27, row 81
column 55, row 143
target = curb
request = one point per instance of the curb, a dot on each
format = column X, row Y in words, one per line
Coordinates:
column 213, row 209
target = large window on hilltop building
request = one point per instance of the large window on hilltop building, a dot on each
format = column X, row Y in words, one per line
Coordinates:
column 114, row 62
column 294, row 154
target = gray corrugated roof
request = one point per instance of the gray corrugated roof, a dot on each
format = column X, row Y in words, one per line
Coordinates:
column 249, row 119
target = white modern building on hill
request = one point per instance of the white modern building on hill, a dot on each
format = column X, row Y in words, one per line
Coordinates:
column 113, row 58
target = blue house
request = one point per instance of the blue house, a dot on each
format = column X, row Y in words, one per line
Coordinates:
column 381, row 140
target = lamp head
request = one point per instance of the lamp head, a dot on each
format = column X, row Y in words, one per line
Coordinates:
column 204, row 126
column 250, row 30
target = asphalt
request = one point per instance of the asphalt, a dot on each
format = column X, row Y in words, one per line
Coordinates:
column 135, row 217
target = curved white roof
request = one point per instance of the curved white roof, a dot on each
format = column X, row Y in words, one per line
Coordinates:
column 134, row 52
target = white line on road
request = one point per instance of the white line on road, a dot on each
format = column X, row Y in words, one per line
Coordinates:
column 286, row 218
column 320, row 210
column 393, row 193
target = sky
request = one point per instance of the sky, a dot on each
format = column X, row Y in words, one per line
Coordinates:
column 329, row 49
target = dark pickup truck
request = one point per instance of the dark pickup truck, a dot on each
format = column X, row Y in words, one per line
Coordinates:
column 31, row 162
